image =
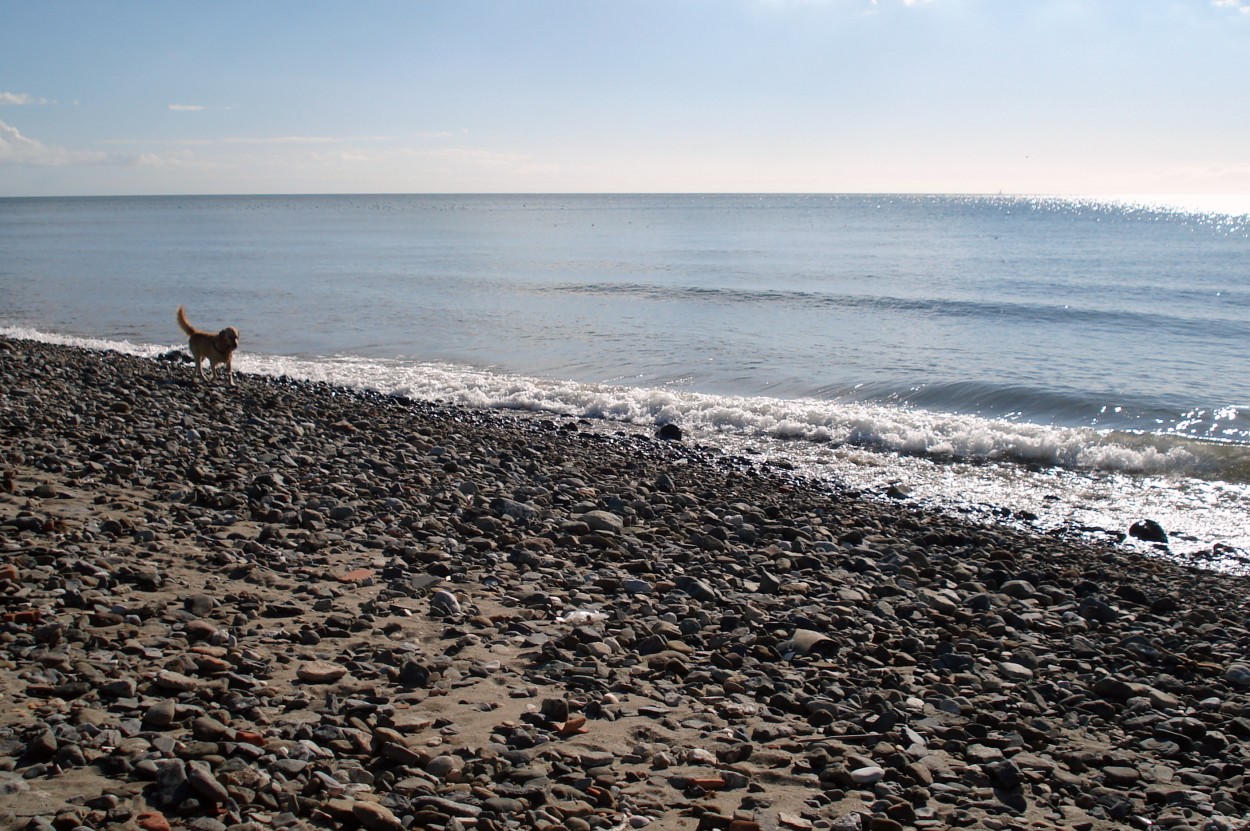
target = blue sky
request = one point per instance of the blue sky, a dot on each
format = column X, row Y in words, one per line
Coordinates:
column 1088, row 97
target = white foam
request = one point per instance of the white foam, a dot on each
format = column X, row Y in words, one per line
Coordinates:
column 124, row 346
column 1084, row 477
column 704, row 416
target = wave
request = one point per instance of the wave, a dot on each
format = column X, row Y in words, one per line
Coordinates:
column 898, row 429
column 1032, row 312
column 1062, row 480
column 874, row 427
column 903, row 430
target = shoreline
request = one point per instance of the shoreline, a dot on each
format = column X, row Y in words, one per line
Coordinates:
column 291, row 605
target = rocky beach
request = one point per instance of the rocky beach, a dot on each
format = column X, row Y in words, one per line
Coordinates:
column 285, row 605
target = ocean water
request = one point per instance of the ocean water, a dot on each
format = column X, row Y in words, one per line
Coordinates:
column 1074, row 364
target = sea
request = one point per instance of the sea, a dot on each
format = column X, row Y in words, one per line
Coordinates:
column 1073, row 365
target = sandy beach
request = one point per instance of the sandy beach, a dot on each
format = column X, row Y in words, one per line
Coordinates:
column 289, row 605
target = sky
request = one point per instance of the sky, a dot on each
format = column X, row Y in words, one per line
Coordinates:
column 1066, row 97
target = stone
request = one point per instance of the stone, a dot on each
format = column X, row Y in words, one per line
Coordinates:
column 376, row 817
column 200, row 778
column 1238, row 675
column 1015, row 672
column 320, row 672
column 731, row 646
column 1148, row 530
column 603, row 521
column 867, row 775
column 1120, row 776
column 161, row 714
column 669, row 432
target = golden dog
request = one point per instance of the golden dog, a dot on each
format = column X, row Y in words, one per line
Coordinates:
column 216, row 349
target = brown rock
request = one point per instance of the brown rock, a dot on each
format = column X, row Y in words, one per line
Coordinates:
column 376, row 817
column 320, row 672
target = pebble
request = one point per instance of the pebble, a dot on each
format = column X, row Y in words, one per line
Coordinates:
column 320, row 672
column 502, row 621
column 376, row 817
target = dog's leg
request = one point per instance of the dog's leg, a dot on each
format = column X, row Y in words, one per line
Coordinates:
column 199, row 369
column 230, row 370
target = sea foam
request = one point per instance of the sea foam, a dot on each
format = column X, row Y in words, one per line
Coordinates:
column 902, row 430
column 1074, row 478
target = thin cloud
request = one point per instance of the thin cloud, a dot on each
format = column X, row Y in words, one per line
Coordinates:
column 1242, row 6
column 187, row 108
column 256, row 141
column 306, row 140
column 19, row 99
column 18, row 149
column 870, row 3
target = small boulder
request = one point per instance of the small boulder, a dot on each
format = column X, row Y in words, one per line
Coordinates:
column 669, row 432
column 1148, row 530
column 320, row 672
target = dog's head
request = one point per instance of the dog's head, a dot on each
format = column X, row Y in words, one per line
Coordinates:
column 227, row 340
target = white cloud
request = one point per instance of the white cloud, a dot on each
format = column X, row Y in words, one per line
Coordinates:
column 187, row 108
column 1242, row 6
column 20, row 99
column 18, row 149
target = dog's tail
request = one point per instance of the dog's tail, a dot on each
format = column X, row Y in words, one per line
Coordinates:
column 184, row 323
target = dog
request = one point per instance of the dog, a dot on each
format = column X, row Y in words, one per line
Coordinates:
column 216, row 349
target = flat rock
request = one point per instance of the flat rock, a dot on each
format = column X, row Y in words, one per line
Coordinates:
column 320, row 672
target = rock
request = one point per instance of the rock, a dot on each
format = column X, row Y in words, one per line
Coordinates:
column 603, row 521
column 152, row 821
column 867, row 775
column 1120, row 776
column 161, row 714
column 1238, row 675
column 42, row 746
column 320, row 672
column 441, row 766
column 200, row 778
column 200, row 630
column 200, row 605
column 444, row 603
column 808, row 642
column 207, row 728
column 1021, row 589
column 176, row 681
column 669, row 432
column 1148, row 530
column 1005, row 773
column 631, row 633
column 376, row 817
column 1015, row 672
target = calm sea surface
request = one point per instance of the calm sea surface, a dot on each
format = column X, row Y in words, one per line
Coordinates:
column 1086, row 362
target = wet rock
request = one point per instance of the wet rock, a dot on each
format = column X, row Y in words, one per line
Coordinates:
column 1148, row 530
column 669, row 432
